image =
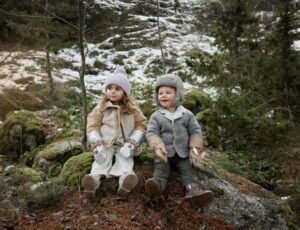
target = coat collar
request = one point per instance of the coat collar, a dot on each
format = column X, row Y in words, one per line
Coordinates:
column 108, row 104
column 180, row 110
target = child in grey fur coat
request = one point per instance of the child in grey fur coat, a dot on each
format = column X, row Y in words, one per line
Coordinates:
column 175, row 137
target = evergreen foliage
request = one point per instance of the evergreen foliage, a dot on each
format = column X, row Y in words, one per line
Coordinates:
column 30, row 22
column 254, row 74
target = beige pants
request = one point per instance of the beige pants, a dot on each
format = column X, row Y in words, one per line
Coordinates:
column 108, row 169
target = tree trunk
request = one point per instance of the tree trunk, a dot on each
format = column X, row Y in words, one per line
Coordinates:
column 160, row 39
column 48, row 62
column 82, row 71
column 49, row 73
column 285, row 55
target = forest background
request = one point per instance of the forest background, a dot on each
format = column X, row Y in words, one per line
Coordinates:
column 243, row 85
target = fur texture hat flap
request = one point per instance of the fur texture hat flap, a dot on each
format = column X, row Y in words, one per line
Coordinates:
column 171, row 80
column 119, row 77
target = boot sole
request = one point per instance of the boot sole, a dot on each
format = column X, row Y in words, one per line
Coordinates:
column 89, row 187
column 152, row 191
column 129, row 183
column 202, row 200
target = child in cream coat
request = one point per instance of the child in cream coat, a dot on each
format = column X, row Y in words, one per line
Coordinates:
column 115, row 128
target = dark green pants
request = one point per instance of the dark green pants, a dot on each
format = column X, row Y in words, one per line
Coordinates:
column 186, row 173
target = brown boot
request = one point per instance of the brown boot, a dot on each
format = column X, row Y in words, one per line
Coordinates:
column 127, row 183
column 153, row 190
column 90, row 184
column 196, row 196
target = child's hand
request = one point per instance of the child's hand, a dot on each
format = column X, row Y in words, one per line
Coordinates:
column 196, row 157
column 127, row 150
column 161, row 155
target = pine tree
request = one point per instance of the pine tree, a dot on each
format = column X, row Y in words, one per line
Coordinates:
column 256, row 79
column 284, row 61
column 30, row 20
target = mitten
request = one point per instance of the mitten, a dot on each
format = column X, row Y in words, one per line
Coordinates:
column 196, row 157
column 100, row 154
column 93, row 145
column 127, row 150
column 94, row 139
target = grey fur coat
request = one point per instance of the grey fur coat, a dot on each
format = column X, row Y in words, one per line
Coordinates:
column 174, row 133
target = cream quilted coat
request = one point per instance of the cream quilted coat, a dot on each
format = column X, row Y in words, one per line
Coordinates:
column 107, row 119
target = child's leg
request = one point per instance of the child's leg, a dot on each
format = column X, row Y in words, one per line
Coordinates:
column 91, row 182
column 123, row 168
column 194, row 194
column 187, row 173
column 122, row 165
column 156, row 185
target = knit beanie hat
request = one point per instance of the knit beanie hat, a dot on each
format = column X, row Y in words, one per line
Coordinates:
column 171, row 80
column 119, row 77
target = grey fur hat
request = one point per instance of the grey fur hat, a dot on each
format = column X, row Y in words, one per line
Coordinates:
column 171, row 80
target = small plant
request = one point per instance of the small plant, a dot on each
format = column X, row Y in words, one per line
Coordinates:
column 260, row 171
column 48, row 193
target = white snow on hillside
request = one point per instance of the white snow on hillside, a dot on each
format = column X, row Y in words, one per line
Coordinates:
column 178, row 38
column 137, row 60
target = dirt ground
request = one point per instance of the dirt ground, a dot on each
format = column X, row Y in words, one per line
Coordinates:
column 109, row 211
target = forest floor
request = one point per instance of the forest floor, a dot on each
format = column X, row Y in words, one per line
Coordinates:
column 109, row 211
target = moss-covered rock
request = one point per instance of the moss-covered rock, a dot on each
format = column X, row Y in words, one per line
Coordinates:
column 22, row 131
column 226, row 169
column 75, row 168
column 23, row 174
column 52, row 158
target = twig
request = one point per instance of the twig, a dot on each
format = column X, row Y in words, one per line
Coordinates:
column 53, row 15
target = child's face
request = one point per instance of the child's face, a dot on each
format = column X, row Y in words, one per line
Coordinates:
column 114, row 93
column 166, row 96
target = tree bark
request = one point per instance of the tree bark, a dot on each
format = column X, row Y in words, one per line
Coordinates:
column 48, row 62
column 49, row 73
column 82, row 70
column 160, row 39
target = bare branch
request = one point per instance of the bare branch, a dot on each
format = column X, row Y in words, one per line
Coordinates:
column 57, row 17
column 24, row 15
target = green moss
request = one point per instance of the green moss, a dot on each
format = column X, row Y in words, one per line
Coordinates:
column 29, row 174
column 69, row 134
column 244, row 185
column 29, row 123
column 28, row 157
column 223, row 161
column 58, row 152
column 54, row 170
column 75, row 168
